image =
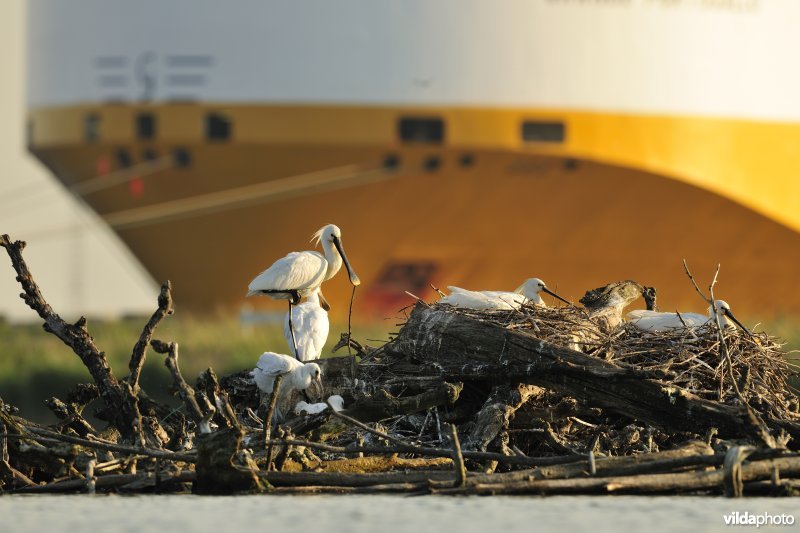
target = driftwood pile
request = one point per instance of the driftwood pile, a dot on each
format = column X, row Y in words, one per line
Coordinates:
column 536, row 400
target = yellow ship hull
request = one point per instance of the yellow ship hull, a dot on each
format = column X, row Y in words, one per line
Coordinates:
column 620, row 196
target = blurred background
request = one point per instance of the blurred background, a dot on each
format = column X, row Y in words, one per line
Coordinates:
column 454, row 143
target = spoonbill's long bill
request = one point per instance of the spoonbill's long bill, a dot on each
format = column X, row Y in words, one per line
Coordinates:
column 296, row 275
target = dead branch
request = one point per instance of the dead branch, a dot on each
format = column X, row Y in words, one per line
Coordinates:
column 140, row 348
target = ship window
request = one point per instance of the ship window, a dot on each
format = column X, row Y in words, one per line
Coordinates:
column 421, row 130
column 123, row 158
column 432, row 163
column 145, row 126
column 181, row 157
column 466, row 160
column 391, row 162
column 218, row 127
column 549, row 132
column 91, row 127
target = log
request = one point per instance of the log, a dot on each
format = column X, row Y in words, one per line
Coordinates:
column 497, row 413
column 216, row 471
column 300, row 479
column 457, row 347
column 649, row 484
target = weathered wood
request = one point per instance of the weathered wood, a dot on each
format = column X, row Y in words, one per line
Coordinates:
column 383, row 405
column 140, row 348
column 458, row 458
column 184, row 390
column 434, row 452
column 216, row 471
column 498, row 411
column 455, row 346
column 377, row 407
column 45, row 435
column 299, row 479
column 655, row 483
column 693, row 453
column 70, row 416
column 121, row 404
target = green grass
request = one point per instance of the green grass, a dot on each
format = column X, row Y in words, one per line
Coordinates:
column 35, row 365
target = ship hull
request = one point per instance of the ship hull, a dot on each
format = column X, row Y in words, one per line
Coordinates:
column 413, row 215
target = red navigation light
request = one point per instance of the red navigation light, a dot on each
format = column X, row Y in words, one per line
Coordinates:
column 102, row 165
column 136, row 187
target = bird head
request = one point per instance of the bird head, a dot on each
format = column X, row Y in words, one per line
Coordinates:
column 531, row 288
column 300, row 407
column 314, row 373
column 336, row 401
column 724, row 312
column 331, row 235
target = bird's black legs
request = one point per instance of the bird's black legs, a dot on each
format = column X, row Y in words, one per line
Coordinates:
column 291, row 330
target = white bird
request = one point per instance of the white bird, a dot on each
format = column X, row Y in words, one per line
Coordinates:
column 308, row 323
column 335, row 401
column 656, row 322
column 299, row 273
column 529, row 291
column 296, row 375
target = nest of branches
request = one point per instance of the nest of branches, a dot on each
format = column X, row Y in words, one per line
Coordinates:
column 690, row 358
column 535, row 400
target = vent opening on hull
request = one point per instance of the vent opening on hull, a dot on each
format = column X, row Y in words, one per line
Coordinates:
column 432, row 163
column 218, row 127
column 428, row 130
column 123, row 158
column 537, row 131
column 182, row 158
column 145, row 126
column 91, row 127
column 391, row 162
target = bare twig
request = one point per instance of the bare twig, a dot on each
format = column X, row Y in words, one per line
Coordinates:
column 44, row 435
column 184, row 390
column 458, row 458
column 120, row 400
column 273, row 401
column 140, row 349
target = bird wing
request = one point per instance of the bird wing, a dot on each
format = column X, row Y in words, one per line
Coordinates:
column 297, row 270
column 478, row 300
column 657, row 322
column 275, row 364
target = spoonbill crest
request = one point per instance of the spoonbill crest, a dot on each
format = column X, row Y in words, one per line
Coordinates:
column 529, row 291
column 297, row 274
column 656, row 322
column 308, row 324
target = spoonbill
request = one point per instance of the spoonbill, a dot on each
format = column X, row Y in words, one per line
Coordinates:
column 307, row 323
column 296, row 375
column 336, row 401
column 656, row 322
column 529, row 291
column 298, row 273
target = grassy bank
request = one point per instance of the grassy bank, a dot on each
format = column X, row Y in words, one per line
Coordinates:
column 35, row 365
